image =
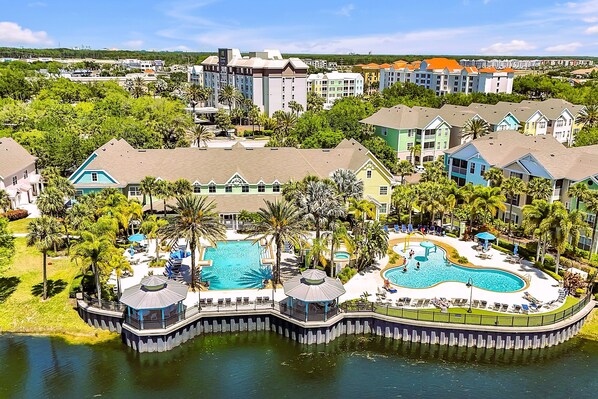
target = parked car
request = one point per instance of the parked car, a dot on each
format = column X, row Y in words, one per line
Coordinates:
column 419, row 169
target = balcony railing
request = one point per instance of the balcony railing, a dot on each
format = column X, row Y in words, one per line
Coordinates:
column 459, row 170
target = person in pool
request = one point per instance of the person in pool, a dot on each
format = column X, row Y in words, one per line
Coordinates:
column 405, row 268
column 417, row 266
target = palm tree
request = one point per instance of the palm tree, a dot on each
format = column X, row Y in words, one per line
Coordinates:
column 539, row 188
column 51, row 202
column 44, row 233
column 579, row 191
column 119, row 264
column 404, row 197
column 370, row 241
column 62, row 184
column 337, row 235
column 182, row 187
column 588, row 116
column 512, row 187
column 494, row 176
column 4, row 201
column 315, row 103
column 414, row 151
column 317, row 252
column 591, row 204
column 348, row 184
column 319, row 203
column 475, row 128
column 151, row 228
column 404, row 168
column 138, row 87
column 194, row 219
column 193, row 93
column 362, row 209
column 95, row 251
column 278, row 222
column 533, row 215
column 201, row 135
column 148, row 187
column 164, row 190
column 285, row 121
column 563, row 227
column 488, row 200
column 228, row 95
column 295, row 107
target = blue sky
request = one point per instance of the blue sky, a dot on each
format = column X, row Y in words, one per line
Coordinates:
column 489, row 27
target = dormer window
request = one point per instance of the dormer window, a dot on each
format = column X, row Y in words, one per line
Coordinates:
column 196, row 189
column 94, row 176
column 212, row 188
column 276, row 188
column 261, row 188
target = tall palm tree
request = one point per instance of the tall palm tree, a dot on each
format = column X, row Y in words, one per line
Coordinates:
column 579, row 191
column 194, row 218
column 201, row 135
column 51, row 202
column 362, row 209
column 563, row 227
column 285, row 122
column 512, row 187
column 138, row 87
column 278, row 222
column 94, row 251
column 404, row 168
column 182, row 187
column 475, row 128
column 228, row 95
column 119, row 264
column 148, row 187
column 320, row 203
column 193, row 93
column 317, row 252
column 588, row 116
column 414, row 151
column 488, row 200
column 295, row 107
column 4, row 201
column 151, row 227
column 164, row 190
column 370, row 241
column 337, row 235
column 591, row 204
column 539, row 188
column 315, row 103
column 494, row 176
column 533, row 215
column 44, row 233
column 468, row 194
column 404, row 197
column 348, row 184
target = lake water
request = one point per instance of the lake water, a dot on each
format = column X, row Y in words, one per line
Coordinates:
column 264, row 365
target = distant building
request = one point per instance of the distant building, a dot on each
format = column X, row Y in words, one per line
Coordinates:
column 270, row 81
column 320, row 64
column 142, row 64
column 195, row 75
column 334, row 85
column 18, row 173
column 446, row 76
column 371, row 75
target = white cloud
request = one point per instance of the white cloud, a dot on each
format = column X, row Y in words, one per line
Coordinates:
column 345, row 11
column 14, row 34
column 590, row 20
column 592, row 30
column 134, row 44
column 36, row 4
column 564, row 48
column 511, row 47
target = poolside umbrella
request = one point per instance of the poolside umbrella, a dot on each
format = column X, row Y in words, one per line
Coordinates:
column 515, row 249
column 486, row 236
column 136, row 237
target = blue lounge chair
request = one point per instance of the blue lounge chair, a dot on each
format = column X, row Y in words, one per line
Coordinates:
column 397, row 230
column 385, row 227
column 403, row 228
column 525, row 308
column 410, row 228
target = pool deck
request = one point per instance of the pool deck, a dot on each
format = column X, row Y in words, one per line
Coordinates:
column 541, row 286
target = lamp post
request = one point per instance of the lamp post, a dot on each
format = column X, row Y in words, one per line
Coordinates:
column 470, row 286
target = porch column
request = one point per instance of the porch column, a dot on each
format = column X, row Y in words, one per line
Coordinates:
column 163, row 322
column 325, row 311
column 140, row 319
column 306, row 310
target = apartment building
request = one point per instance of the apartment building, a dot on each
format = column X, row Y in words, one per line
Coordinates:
column 403, row 128
column 270, row 81
column 18, row 173
column 371, row 75
column 445, row 76
column 320, row 64
column 526, row 157
column 195, row 75
column 334, row 85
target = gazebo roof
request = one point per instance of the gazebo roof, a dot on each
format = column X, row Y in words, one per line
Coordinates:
column 314, row 286
column 154, row 292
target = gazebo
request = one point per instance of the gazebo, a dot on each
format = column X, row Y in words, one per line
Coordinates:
column 428, row 246
column 312, row 296
column 156, row 302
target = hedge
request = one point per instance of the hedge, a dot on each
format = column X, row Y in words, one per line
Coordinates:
column 15, row 214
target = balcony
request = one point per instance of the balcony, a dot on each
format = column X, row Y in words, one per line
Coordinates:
column 461, row 171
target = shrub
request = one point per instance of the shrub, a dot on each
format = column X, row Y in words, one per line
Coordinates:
column 15, row 214
column 451, row 235
column 462, row 260
column 346, row 274
column 157, row 262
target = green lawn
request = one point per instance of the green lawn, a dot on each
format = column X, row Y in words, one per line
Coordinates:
column 19, row 226
column 23, row 312
column 590, row 327
column 478, row 316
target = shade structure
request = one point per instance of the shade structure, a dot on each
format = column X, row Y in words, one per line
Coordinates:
column 486, row 236
column 136, row 237
column 427, row 244
column 154, row 292
column 313, row 286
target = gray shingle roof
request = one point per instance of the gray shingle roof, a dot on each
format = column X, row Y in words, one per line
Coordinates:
column 13, row 157
column 314, row 286
column 154, row 292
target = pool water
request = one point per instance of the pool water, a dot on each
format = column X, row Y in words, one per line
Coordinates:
column 341, row 255
column 437, row 269
column 235, row 265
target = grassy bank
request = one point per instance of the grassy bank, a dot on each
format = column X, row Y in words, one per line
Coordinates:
column 19, row 226
column 590, row 327
column 23, row 311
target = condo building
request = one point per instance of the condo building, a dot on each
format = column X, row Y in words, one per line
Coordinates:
column 334, row 85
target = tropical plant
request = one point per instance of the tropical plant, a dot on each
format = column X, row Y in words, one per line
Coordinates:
column 7, row 245
column 591, row 204
column 194, row 94
column 494, row 176
column 285, row 122
column 347, row 184
column 579, row 191
column 138, row 87
column 201, row 135
column 370, row 241
column 317, row 252
column 117, row 262
column 278, row 222
column 152, row 227
column 337, row 235
column 4, row 201
column 315, row 103
column 512, row 187
column 194, row 218
column 228, row 95
column 475, row 128
column 488, row 201
column 404, row 168
column 539, row 188
column 44, row 234
column 319, row 203
column 415, row 151
column 94, row 251
column 588, row 116
column 182, row 187
column 295, row 107
column 164, row 190
column 362, row 209
column 533, row 215
column 404, row 197
column 51, row 202
column 148, row 187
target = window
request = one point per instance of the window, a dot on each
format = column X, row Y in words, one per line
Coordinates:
column 78, row 193
column 472, row 167
column 245, row 188
column 212, row 188
column 409, row 146
column 94, row 176
column 368, row 174
column 482, row 169
column 383, row 208
column 196, row 189
column 383, row 190
column 518, row 175
column 25, row 174
column 228, row 188
column 276, row 188
column 261, row 188
column 14, row 180
column 134, row 191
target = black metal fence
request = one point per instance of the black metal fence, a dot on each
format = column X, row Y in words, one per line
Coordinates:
column 149, row 324
column 104, row 304
column 516, row 320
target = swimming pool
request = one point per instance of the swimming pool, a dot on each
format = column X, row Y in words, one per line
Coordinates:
column 235, row 265
column 437, row 269
column 342, row 255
